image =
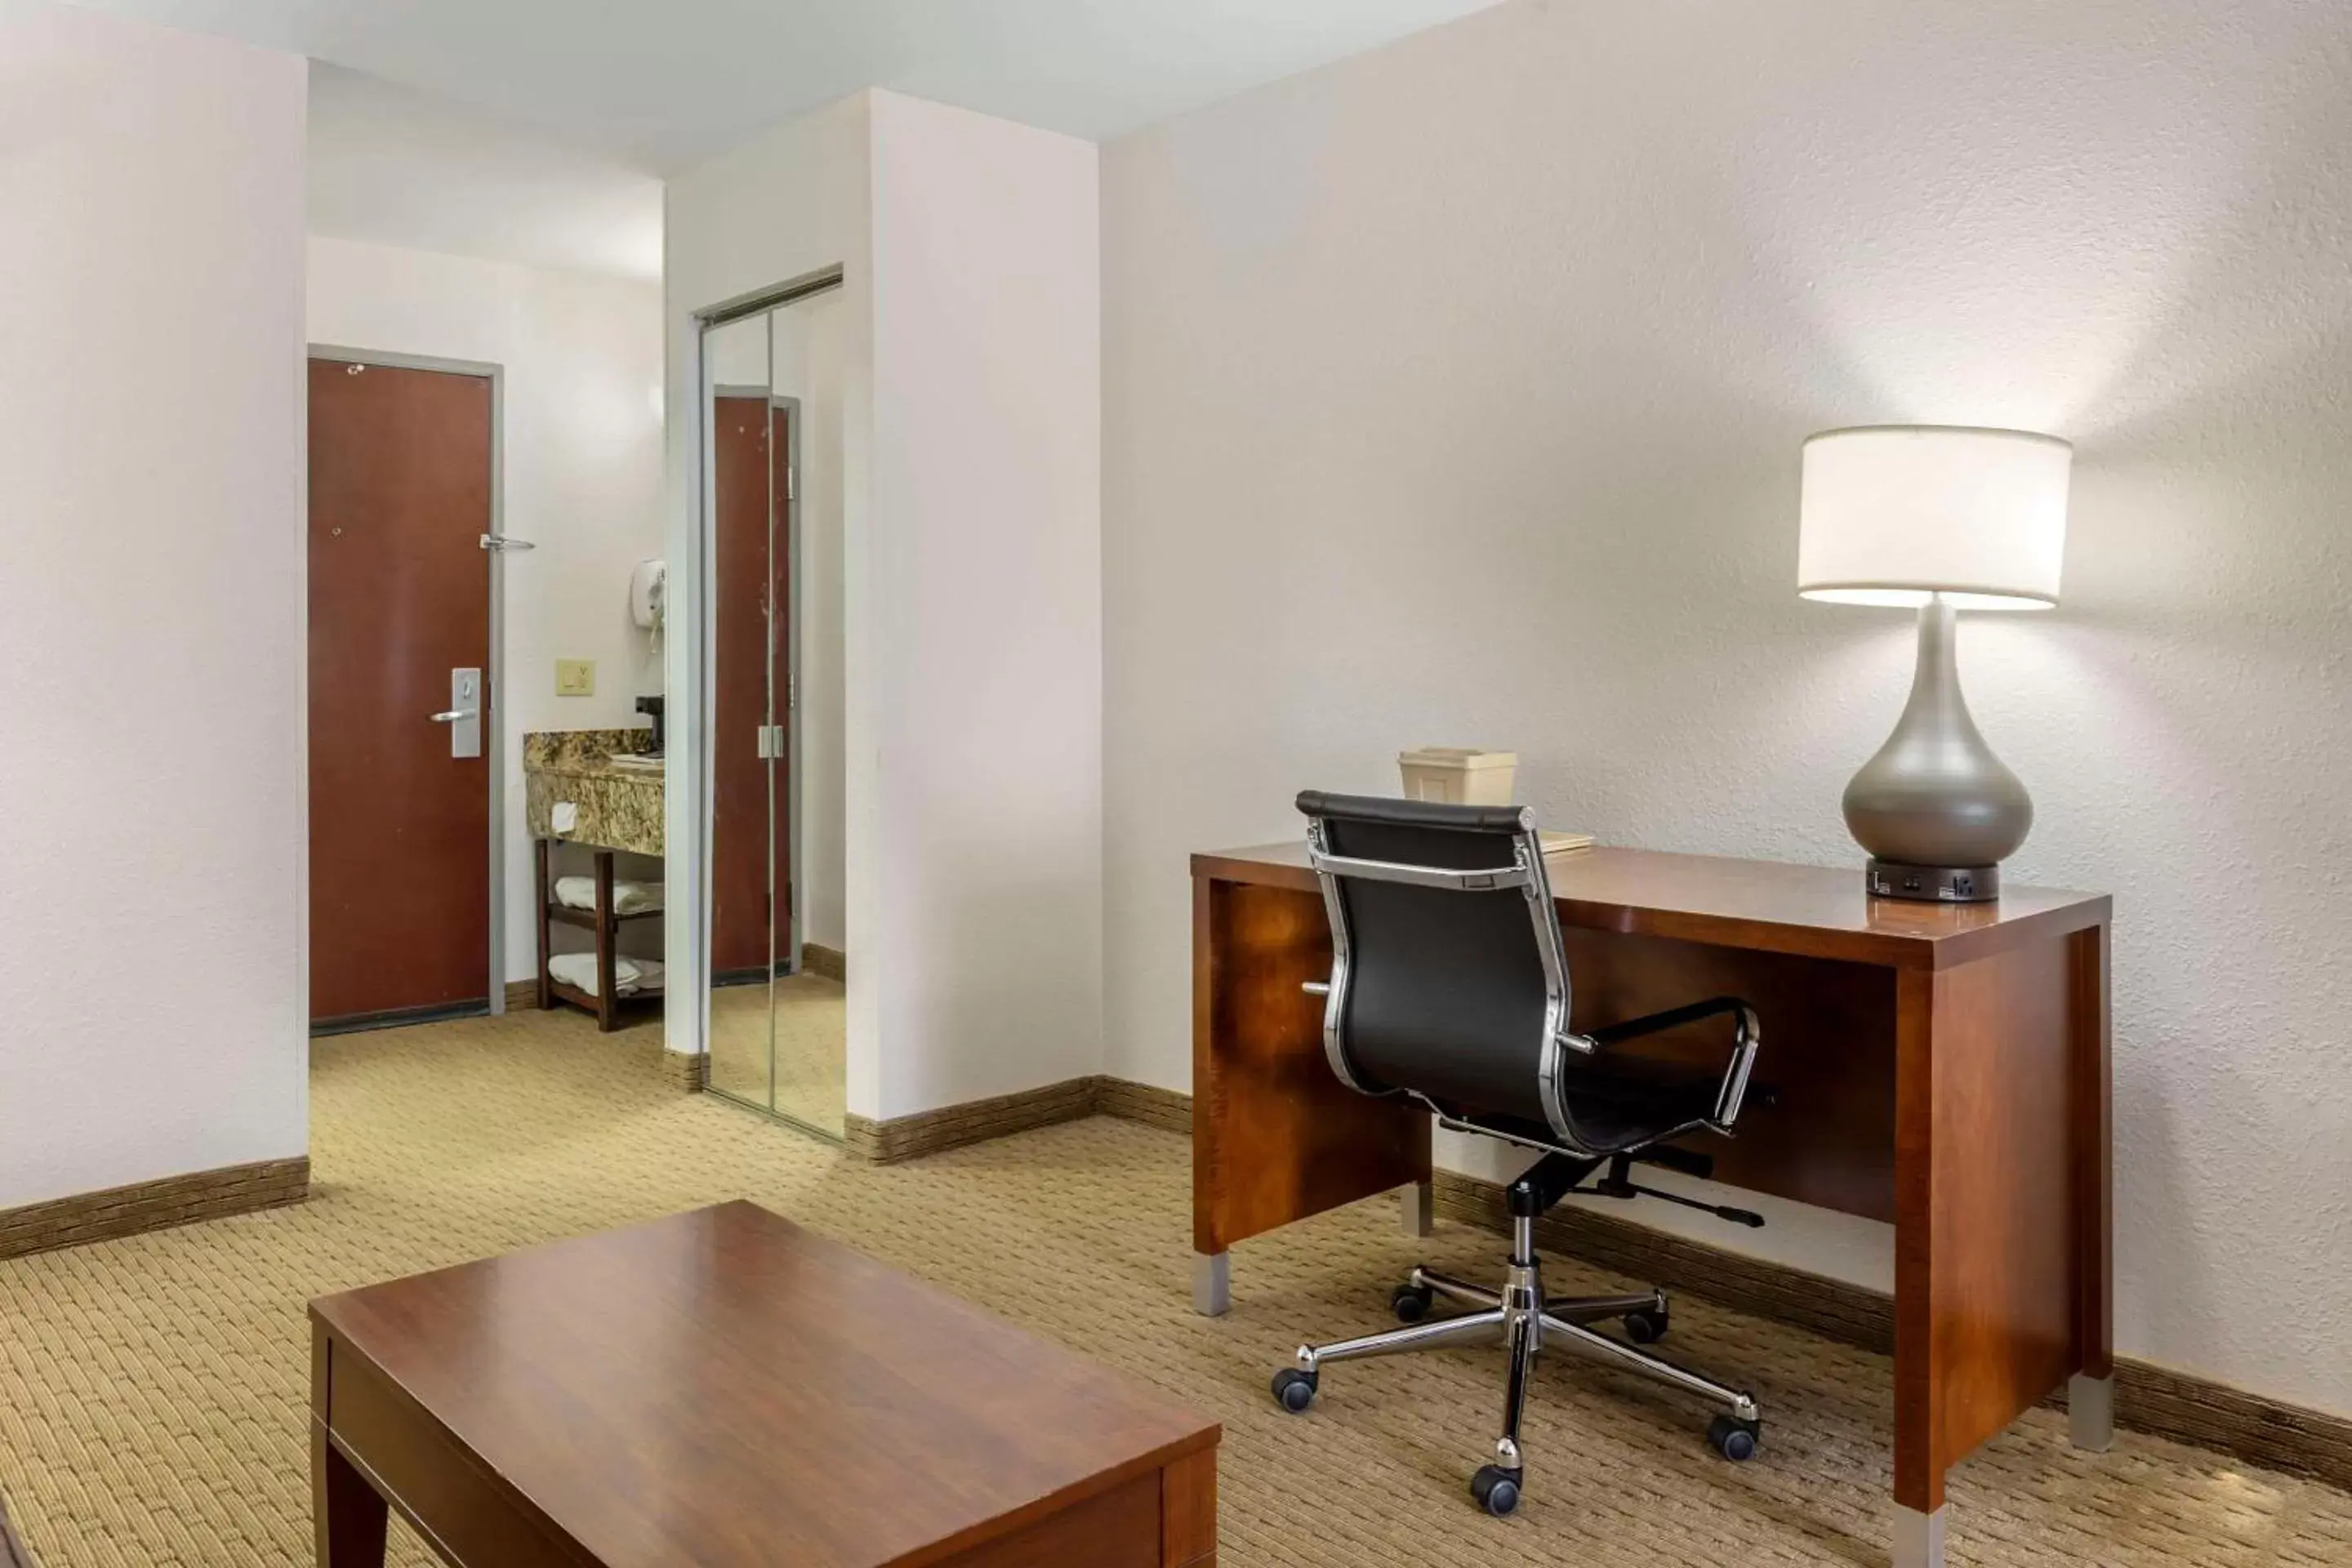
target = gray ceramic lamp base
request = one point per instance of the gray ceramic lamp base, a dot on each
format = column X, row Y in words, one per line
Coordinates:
column 1937, row 810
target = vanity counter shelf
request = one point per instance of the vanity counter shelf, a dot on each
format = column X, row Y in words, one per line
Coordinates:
column 579, row 787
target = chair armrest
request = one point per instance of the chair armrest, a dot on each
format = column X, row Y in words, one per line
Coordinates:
column 1746, row 1036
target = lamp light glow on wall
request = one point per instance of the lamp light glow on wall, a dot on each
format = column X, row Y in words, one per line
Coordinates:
column 1943, row 518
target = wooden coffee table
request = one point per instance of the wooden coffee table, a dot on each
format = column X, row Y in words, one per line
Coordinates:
column 723, row 1388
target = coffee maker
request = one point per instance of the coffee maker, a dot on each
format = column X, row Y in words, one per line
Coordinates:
column 653, row 705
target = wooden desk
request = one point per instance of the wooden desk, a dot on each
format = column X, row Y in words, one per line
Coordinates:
column 721, row 1389
column 1943, row 1067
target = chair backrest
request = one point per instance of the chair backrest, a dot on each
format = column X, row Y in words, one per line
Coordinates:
column 1448, row 979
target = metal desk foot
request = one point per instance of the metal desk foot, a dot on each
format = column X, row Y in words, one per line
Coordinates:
column 1419, row 1207
column 2091, row 1411
column 1212, row 1283
column 1918, row 1538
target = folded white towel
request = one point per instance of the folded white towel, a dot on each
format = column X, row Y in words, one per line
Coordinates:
column 629, row 898
column 630, row 975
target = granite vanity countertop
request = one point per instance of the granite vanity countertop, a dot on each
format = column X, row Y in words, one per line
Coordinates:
column 613, row 807
column 587, row 751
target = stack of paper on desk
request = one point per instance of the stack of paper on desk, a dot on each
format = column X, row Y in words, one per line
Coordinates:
column 1553, row 843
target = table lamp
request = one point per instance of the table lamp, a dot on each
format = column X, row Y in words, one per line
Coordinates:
column 1944, row 518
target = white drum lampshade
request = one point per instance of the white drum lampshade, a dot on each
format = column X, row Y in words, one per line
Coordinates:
column 1890, row 514
column 1943, row 518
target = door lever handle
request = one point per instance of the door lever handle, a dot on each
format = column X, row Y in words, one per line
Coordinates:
column 464, row 714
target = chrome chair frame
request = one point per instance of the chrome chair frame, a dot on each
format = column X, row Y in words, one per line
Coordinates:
column 1520, row 1315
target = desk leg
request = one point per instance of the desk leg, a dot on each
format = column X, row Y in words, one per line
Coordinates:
column 1988, row 1276
column 2091, row 1395
column 1212, row 1283
column 1276, row 1135
column 1420, row 1206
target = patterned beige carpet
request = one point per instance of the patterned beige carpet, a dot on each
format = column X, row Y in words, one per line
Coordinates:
column 152, row 1390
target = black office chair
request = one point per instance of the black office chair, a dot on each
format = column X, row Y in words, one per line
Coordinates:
column 1449, row 984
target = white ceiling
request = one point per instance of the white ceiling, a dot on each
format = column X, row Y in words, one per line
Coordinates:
column 395, row 167
column 661, row 84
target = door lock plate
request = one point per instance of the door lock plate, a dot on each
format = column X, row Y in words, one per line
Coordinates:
column 464, row 714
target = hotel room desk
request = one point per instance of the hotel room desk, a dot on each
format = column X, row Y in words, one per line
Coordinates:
column 1942, row 1067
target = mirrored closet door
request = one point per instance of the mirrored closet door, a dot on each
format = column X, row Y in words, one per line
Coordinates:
column 773, row 514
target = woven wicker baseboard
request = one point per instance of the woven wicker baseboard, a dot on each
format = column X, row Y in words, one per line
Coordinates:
column 152, row 1205
column 1168, row 1109
column 974, row 1121
column 829, row 961
column 2262, row 1431
column 690, row 1072
column 521, row 995
column 951, row 1127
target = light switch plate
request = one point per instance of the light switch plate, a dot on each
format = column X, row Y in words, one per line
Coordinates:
column 575, row 678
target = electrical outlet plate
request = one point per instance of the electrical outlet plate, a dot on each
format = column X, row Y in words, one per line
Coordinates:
column 575, row 678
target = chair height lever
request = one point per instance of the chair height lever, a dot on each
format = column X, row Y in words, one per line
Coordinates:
column 1615, row 1186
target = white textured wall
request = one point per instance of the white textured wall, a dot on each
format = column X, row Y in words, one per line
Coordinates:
column 983, row 615
column 582, row 427
column 1453, row 393
column 151, row 642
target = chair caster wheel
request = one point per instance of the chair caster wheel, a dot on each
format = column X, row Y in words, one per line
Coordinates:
column 1411, row 1303
column 1735, row 1439
column 1496, row 1489
column 1647, row 1326
column 1294, row 1390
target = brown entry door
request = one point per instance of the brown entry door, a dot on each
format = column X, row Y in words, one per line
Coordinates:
column 400, row 598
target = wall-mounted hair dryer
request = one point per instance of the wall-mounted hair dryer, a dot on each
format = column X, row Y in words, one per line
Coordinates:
column 649, row 595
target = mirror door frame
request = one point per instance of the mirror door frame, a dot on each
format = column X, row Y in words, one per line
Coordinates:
column 689, row 883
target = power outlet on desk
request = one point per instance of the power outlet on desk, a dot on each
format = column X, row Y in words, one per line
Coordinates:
column 1933, row 884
